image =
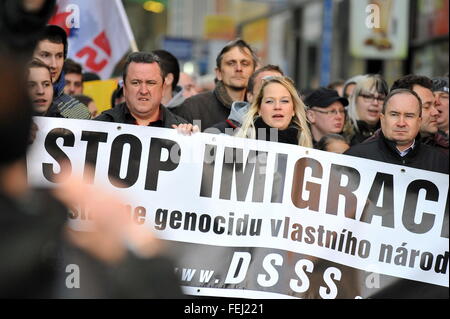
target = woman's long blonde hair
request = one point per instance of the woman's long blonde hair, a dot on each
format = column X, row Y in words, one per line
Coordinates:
column 299, row 119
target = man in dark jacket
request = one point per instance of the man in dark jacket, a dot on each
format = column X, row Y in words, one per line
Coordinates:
column 399, row 141
column 143, row 82
column 52, row 50
column 235, row 64
column 423, row 86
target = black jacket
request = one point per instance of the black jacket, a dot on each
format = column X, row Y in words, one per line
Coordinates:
column 121, row 114
column 363, row 132
column 421, row 156
column 204, row 107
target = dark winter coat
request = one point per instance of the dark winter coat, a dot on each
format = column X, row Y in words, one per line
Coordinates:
column 363, row 132
column 121, row 114
column 209, row 108
column 421, row 156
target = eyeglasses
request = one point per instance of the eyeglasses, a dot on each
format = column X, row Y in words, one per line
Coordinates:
column 370, row 98
column 332, row 112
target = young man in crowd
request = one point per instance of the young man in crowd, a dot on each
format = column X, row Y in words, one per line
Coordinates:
column 39, row 86
column 73, row 76
column 235, row 64
column 172, row 93
column 52, row 50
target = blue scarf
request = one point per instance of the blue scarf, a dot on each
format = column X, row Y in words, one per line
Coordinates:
column 58, row 87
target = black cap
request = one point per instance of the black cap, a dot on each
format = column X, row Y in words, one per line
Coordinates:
column 323, row 97
column 440, row 84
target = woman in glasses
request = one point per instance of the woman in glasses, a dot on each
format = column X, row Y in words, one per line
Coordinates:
column 364, row 108
column 277, row 114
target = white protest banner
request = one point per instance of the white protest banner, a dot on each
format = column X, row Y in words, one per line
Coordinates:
column 99, row 33
column 256, row 219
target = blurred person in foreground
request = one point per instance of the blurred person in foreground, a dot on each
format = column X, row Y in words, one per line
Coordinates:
column 21, row 22
column 35, row 242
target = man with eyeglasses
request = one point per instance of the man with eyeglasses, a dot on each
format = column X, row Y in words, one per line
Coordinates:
column 398, row 141
column 326, row 113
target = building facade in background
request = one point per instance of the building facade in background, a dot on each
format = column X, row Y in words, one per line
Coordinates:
column 311, row 40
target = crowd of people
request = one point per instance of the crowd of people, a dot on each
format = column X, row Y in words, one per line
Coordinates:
column 405, row 124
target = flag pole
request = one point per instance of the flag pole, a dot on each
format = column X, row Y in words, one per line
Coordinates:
column 124, row 18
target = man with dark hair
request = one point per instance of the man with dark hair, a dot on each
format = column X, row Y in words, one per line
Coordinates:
column 399, row 142
column 143, row 82
column 235, row 63
column 173, row 93
column 73, row 76
column 423, row 86
column 52, row 50
column 440, row 91
column 90, row 76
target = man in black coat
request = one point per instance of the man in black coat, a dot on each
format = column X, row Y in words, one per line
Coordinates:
column 399, row 143
column 423, row 86
column 143, row 83
column 399, row 140
column 235, row 64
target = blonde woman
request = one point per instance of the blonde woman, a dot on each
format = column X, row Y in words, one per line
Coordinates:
column 277, row 114
column 364, row 108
